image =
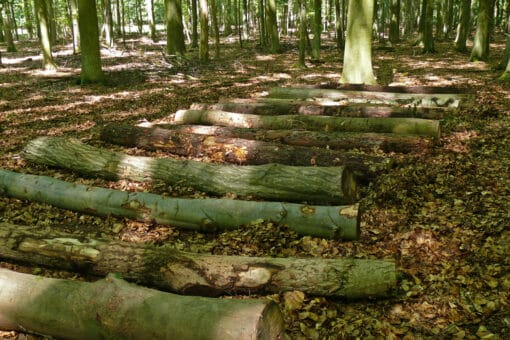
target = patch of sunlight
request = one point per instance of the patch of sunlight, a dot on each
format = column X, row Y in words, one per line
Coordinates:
column 11, row 61
column 264, row 57
column 143, row 165
column 52, row 73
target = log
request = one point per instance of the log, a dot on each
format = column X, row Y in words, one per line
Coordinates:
column 387, row 98
column 198, row 274
column 269, row 181
column 277, row 106
column 407, row 126
column 338, row 222
column 331, row 140
column 231, row 150
column 114, row 309
column 397, row 88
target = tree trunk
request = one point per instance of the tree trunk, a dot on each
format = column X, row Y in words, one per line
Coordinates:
column 317, row 29
column 388, row 98
column 271, row 181
column 48, row 63
column 394, row 21
column 272, row 26
column 108, row 22
column 73, row 12
column 149, row 8
column 194, row 24
column 464, row 26
column 6, row 23
column 114, row 309
column 408, row 126
column 197, row 274
column 428, row 37
column 440, row 20
column 233, row 150
column 29, row 19
column 216, row 29
column 302, row 33
column 91, row 71
column 175, row 34
column 339, row 29
column 204, row 31
column 480, row 51
column 357, row 68
column 206, row 215
column 330, row 140
column 276, row 106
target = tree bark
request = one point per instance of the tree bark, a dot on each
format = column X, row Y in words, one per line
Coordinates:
column 338, row 222
column 6, row 23
column 270, row 181
column 394, row 21
column 91, row 71
column 406, row 126
column 198, row 274
column 276, row 106
column 149, row 9
column 428, row 36
column 357, row 68
column 203, row 50
column 155, row 137
column 48, row 63
column 272, row 26
column 480, row 51
column 463, row 26
column 174, row 28
column 114, row 309
column 388, row 98
column 233, row 150
column 73, row 12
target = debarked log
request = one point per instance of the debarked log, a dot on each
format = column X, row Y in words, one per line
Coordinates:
column 338, row 222
column 231, row 150
column 269, row 181
column 386, row 98
column 115, row 309
column 412, row 126
column 197, row 274
column 331, row 140
column 278, row 106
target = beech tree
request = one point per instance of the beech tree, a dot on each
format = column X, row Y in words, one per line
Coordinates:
column 357, row 67
column 6, row 24
column 174, row 28
column 42, row 13
column 480, row 51
column 464, row 25
column 91, row 71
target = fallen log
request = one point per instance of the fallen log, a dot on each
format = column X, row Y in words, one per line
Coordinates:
column 269, row 181
column 338, row 222
column 198, row 274
column 407, row 126
column 331, row 140
column 231, row 150
column 387, row 98
column 114, row 309
column 277, row 106
column 397, row 88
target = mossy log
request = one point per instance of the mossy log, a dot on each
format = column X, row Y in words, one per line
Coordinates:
column 338, row 222
column 115, row 309
column 269, row 181
column 386, row 98
column 277, row 106
column 197, row 274
column 232, row 150
column 367, row 141
column 407, row 126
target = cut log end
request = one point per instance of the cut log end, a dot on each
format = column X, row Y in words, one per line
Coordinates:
column 353, row 213
column 270, row 325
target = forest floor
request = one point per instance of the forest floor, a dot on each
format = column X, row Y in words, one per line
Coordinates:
column 443, row 215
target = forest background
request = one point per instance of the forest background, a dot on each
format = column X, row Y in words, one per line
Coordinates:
column 442, row 215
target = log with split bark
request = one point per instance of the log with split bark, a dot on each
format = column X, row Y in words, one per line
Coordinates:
column 234, row 150
column 115, row 309
column 385, row 98
column 198, row 274
column 278, row 106
column 406, row 126
column 269, row 181
column 338, row 222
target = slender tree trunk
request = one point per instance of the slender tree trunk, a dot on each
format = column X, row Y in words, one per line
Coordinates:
column 302, row 33
column 108, row 22
column 480, row 51
column 118, row 19
column 262, row 24
column 175, row 44
column 48, row 62
column 194, row 24
column 29, row 18
column 216, row 28
column 139, row 18
column 317, row 30
column 73, row 11
column 439, row 20
column 52, row 22
column 7, row 27
column 395, row 21
column 464, row 26
column 246, row 20
column 91, row 71
column 272, row 26
column 114, row 309
column 122, row 21
column 357, row 67
column 13, row 20
column 428, row 37
column 149, row 8
column 204, row 31
column 339, row 30
column 506, row 56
